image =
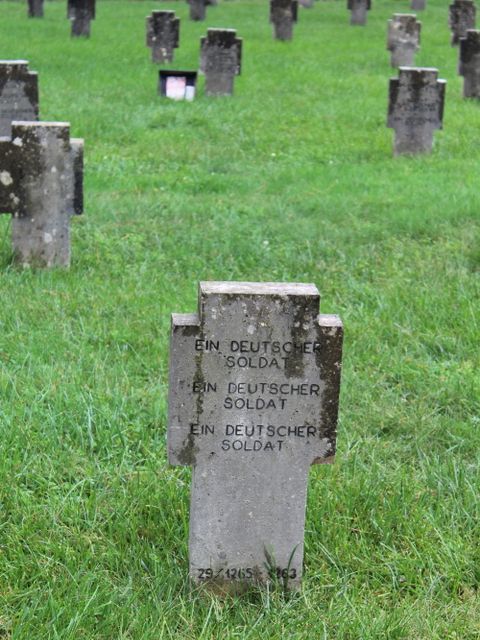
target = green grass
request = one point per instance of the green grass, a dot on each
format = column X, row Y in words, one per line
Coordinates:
column 291, row 180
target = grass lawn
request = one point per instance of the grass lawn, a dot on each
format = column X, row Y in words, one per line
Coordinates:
column 291, row 180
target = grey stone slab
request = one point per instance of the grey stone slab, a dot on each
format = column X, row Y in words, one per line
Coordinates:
column 41, row 177
column 358, row 11
column 198, row 9
column 18, row 94
column 283, row 15
column 253, row 403
column 461, row 17
column 403, row 39
column 80, row 13
column 418, row 5
column 35, row 8
column 220, row 60
column 469, row 63
column 415, row 109
column 163, row 35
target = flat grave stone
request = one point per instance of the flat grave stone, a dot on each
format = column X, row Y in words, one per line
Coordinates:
column 469, row 63
column 358, row 11
column 163, row 35
column 18, row 94
column 80, row 13
column 253, row 403
column 461, row 17
column 403, row 39
column 283, row 15
column 41, row 186
column 177, row 85
column 35, row 8
column 220, row 60
column 415, row 109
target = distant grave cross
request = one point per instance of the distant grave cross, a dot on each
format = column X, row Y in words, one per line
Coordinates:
column 220, row 60
column 358, row 11
column 163, row 30
column 403, row 39
column 198, row 9
column 41, row 174
column 18, row 94
column 81, row 13
column 253, row 402
column 35, row 8
column 415, row 108
column 283, row 15
column 469, row 63
column 461, row 17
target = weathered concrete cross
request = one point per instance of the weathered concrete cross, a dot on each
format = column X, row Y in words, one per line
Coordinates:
column 415, row 108
column 403, row 39
column 469, row 63
column 283, row 15
column 461, row 17
column 81, row 13
column 18, row 94
column 253, row 402
column 41, row 177
column 163, row 31
column 358, row 9
column 35, row 8
column 220, row 60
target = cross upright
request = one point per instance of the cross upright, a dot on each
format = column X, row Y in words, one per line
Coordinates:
column 18, row 94
column 163, row 30
column 469, row 63
column 283, row 15
column 358, row 11
column 461, row 17
column 41, row 178
column 81, row 13
column 220, row 60
column 198, row 9
column 253, row 403
column 415, row 108
column 35, row 8
column 417, row 5
column 403, row 39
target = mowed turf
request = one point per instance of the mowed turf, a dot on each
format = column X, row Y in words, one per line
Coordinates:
column 290, row 180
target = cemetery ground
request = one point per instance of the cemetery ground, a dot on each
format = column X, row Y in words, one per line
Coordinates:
column 292, row 179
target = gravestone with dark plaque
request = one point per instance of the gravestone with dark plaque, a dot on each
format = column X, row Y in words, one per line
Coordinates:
column 41, row 185
column 415, row 109
column 163, row 30
column 358, row 11
column 418, row 5
column 469, row 63
column 220, row 60
column 403, row 39
column 253, row 403
column 81, row 13
column 35, row 8
column 198, row 9
column 461, row 17
column 18, row 94
column 283, row 15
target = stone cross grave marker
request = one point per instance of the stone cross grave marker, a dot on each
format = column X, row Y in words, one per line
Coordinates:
column 469, row 63
column 283, row 15
column 403, row 39
column 198, row 9
column 18, row 94
column 220, row 60
column 461, row 17
column 358, row 11
column 415, row 109
column 163, row 32
column 81, row 13
column 418, row 5
column 253, row 403
column 35, row 8
column 41, row 185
